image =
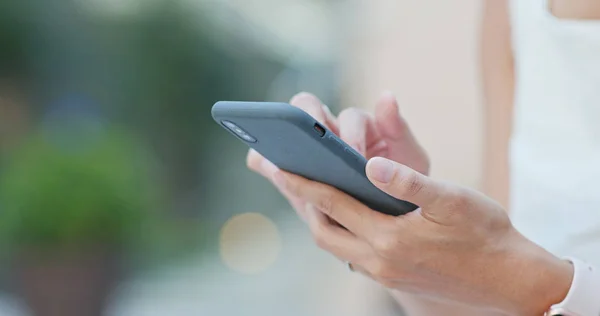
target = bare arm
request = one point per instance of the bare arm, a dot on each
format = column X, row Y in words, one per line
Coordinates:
column 498, row 90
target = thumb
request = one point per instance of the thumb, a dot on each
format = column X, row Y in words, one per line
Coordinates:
column 404, row 183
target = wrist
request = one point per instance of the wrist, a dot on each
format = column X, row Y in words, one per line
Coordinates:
column 551, row 285
column 537, row 279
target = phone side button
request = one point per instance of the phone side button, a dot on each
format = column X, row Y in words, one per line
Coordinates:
column 334, row 140
column 353, row 154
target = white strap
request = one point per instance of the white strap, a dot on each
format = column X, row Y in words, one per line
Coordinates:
column 583, row 298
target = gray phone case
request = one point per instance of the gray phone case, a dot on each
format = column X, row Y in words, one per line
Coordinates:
column 287, row 136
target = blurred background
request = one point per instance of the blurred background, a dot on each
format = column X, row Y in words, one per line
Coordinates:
column 120, row 196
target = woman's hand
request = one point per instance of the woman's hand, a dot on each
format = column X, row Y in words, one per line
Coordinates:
column 459, row 245
column 384, row 134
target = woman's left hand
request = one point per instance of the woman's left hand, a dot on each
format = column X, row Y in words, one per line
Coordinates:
column 459, row 245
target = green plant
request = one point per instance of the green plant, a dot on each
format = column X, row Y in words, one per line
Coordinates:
column 57, row 191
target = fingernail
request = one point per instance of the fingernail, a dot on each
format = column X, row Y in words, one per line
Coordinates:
column 304, row 97
column 327, row 110
column 381, row 169
column 279, row 179
column 391, row 97
column 388, row 94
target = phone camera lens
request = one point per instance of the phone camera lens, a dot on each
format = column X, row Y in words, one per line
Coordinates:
column 248, row 138
column 229, row 125
column 239, row 131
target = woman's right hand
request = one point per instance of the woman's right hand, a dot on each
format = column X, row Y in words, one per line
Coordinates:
column 384, row 134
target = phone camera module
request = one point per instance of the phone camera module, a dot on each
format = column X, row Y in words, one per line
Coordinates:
column 239, row 131
column 248, row 138
column 229, row 125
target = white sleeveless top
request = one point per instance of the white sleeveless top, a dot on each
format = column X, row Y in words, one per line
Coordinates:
column 555, row 147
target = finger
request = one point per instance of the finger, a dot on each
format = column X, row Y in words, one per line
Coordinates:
column 269, row 169
column 309, row 104
column 340, row 207
column 396, row 137
column 378, row 149
column 354, row 125
column 335, row 239
column 297, row 204
column 330, row 120
column 404, row 183
column 313, row 106
column 259, row 164
column 265, row 168
column 254, row 161
column 389, row 122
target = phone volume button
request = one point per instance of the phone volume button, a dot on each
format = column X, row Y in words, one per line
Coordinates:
column 353, row 154
column 336, row 141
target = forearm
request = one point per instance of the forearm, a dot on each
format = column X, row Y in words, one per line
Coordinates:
column 496, row 173
column 498, row 91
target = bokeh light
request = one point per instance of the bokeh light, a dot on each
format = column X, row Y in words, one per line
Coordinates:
column 250, row 243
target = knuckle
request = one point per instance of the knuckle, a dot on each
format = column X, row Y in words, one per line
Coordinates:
column 381, row 271
column 306, row 100
column 410, row 184
column 385, row 245
column 420, row 262
column 351, row 113
column 458, row 200
column 326, row 202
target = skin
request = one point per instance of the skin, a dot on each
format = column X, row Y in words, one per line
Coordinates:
column 497, row 66
column 498, row 75
column 458, row 247
column 575, row 9
column 384, row 134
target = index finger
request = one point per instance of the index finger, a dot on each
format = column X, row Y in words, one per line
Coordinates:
column 315, row 108
column 342, row 208
column 357, row 128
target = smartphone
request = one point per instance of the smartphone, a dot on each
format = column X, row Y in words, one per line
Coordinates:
column 295, row 142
